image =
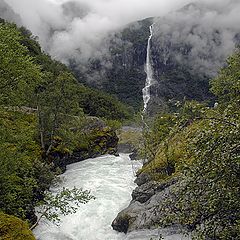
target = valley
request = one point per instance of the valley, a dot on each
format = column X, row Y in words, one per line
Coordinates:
column 119, row 128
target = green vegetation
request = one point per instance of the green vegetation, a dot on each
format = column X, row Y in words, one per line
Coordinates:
column 43, row 122
column 200, row 146
column 12, row 228
column 92, row 102
column 121, row 72
column 131, row 136
column 44, row 126
column 23, row 175
column 64, row 202
column 19, row 75
column 99, row 104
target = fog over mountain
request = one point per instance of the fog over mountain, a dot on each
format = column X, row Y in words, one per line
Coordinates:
column 67, row 28
column 76, row 29
column 200, row 35
column 7, row 13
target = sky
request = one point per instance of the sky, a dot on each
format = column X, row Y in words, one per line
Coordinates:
column 66, row 25
column 76, row 28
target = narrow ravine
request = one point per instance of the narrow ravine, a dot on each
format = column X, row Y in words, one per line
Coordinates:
column 111, row 181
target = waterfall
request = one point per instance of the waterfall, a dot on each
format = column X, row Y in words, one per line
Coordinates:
column 149, row 72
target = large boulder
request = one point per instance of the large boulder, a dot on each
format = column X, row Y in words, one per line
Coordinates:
column 144, row 210
column 139, row 215
column 95, row 139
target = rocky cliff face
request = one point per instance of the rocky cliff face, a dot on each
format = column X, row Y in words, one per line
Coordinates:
column 121, row 70
column 186, row 53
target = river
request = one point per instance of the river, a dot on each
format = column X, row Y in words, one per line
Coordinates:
column 111, row 181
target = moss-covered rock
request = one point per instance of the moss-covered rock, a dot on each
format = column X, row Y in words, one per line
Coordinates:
column 99, row 139
column 13, row 228
column 130, row 141
column 81, row 139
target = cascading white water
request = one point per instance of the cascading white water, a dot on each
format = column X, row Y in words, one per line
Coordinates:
column 149, row 72
column 110, row 180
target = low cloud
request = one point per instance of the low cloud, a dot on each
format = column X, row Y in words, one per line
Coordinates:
column 200, row 35
column 7, row 13
column 76, row 29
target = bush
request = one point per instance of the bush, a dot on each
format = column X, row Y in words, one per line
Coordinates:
column 12, row 228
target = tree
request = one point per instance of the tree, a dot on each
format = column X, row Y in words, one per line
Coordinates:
column 65, row 202
column 56, row 100
column 227, row 85
column 18, row 74
column 206, row 198
column 23, row 176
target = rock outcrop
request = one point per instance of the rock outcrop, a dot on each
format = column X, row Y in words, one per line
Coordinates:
column 144, row 210
column 130, row 140
column 99, row 139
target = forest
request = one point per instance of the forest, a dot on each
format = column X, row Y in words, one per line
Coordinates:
column 46, row 115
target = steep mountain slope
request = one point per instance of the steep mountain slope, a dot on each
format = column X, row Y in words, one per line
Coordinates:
column 186, row 52
column 121, row 70
column 188, row 48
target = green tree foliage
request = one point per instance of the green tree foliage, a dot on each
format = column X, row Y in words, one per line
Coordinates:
column 204, row 147
column 207, row 196
column 18, row 74
column 100, row 104
column 56, row 101
column 93, row 102
column 63, row 203
column 39, row 97
column 23, row 177
column 227, row 85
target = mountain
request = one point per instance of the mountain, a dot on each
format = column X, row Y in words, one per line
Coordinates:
column 121, row 70
column 188, row 48
column 186, row 52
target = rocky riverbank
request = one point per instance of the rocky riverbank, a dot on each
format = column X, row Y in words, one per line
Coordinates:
column 96, row 139
column 144, row 211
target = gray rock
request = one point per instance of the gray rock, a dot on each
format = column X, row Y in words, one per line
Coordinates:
column 139, row 216
column 145, row 191
column 125, row 148
column 135, row 155
column 142, row 178
column 144, row 211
